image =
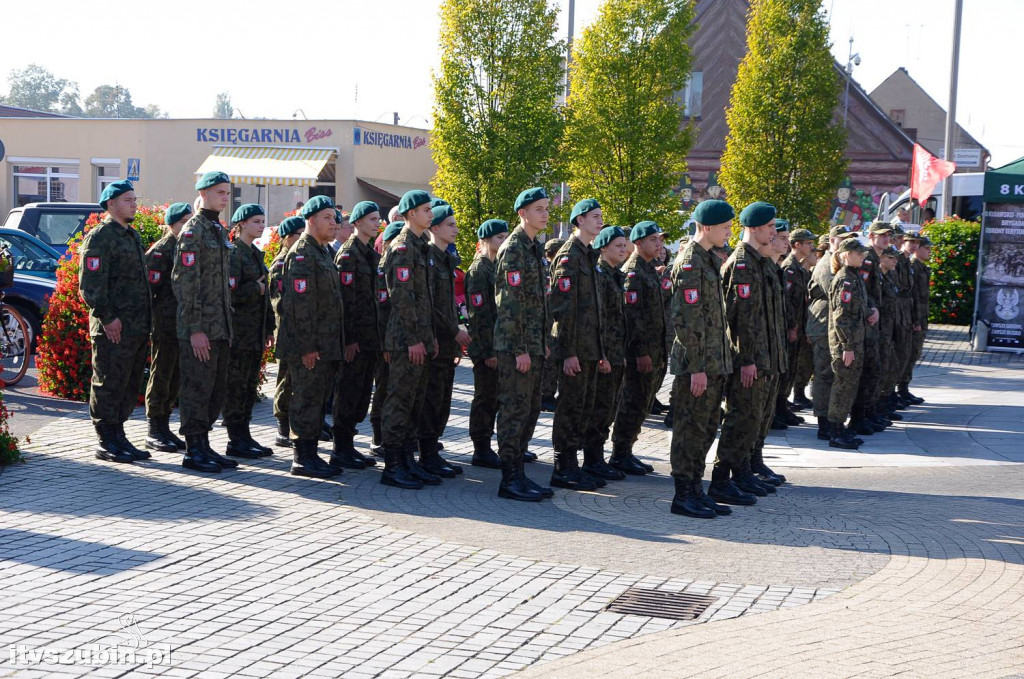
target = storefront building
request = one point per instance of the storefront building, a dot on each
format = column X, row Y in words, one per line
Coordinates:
column 277, row 163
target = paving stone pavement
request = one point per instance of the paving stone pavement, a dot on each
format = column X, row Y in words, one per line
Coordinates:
column 909, row 555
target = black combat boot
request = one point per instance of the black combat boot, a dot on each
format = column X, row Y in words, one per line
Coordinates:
column 343, row 452
column 778, row 423
column 127, row 445
column 823, row 429
column 567, row 473
column 543, row 490
column 263, row 450
column 687, row 503
column 109, row 446
column 432, row 462
column 395, row 473
column 283, row 433
column 839, row 438
column 594, row 465
column 195, row 456
column 224, row 462
column 484, row 455
column 746, row 481
column 170, row 434
column 791, row 419
column 416, row 469
column 529, row 457
column 723, row 490
column 625, row 462
column 238, row 446
column 800, row 400
column 904, row 393
column 157, row 439
column 850, row 435
column 763, row 472
column 858, row 424
column 376, row 440
column 670, row 416
column 657, row 407
column 783, row 412
column 548, row 402
column 305, row 461
column 703, row 498
column 514, row 487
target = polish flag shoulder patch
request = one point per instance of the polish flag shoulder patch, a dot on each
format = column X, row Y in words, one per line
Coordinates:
column 514, row 278
column 300, row 258
column 402, row 247
column 347, row 277
column 789, row 284
column 476, row 299
column 346, row 254
column 92, row 263
column 188, row 258
column 631, row 296
column 300, row 285
column 743, row 290
column 691, row 295
column 564, row 260
column 187, row 233
column 157, row 253
column 403, row 274
column 846, row 296
column 154, row 276
column 565, row 284
column 741, row 265
column 687, row 266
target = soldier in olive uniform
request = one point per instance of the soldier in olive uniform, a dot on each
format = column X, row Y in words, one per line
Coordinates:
column 112, row 282
column 162, row 389
column 552, row 368
column 701, row 359
column 864, row 419
column 483, row 312
column 849, row 310
column 893, row 325
column 520, row 329
column 904, row 339
column 200, row 277
column 921, row 274
column 796, row 277
column 289, row 231
column 645, row 345
column 380, row 376
column 252, row 324
column 312, row 334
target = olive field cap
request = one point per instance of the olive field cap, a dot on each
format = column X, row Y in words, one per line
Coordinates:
column 851, row 245
column 801, row 235
column 880, row 227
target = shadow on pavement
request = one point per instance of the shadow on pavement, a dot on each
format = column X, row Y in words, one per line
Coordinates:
column 66, row 554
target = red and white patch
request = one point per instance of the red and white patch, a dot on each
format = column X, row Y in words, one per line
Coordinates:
column 154, row 276
column 691, row 295
column 741, row 265
column 743, row 290
column 157, row 253
column 92, row 263
column 666, row 284
column 401, row 247
column 514, row 278
column 188, row 258
column 476, row 299
column 565, row 284
column 346, row 254
column 347, row 277
column 403, row 273
column 789, row 284
column 846, row 296
column 232, row 282
column 687, row 266
column 300, row 285
column 631, row 296
column 865, row 275
column 563, row 260
column 187, row 233
column 382, row 296
column 300, row 258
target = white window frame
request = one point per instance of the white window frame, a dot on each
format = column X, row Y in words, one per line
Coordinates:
column 101, row 180
column 48, row 176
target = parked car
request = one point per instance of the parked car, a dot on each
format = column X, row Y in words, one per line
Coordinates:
column 32, row 257
column 30, row 295
column 55, row 224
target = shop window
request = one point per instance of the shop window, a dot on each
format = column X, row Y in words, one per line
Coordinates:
column 45, row 183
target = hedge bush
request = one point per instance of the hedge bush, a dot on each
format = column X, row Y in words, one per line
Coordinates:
column 954, row 269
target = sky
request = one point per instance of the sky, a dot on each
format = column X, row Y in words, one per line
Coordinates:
column 340, row 59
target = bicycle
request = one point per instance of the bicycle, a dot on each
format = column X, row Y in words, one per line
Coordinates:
column 15, row 338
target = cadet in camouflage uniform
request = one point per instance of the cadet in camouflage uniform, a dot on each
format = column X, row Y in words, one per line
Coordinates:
column 849, row 309
column 904, row 339
column 289, row 232
column 893, row 325
column 357, row 264
column 552, row 367
column 252, row 324
column 451, row 339
column 750, row 280
column 410, row 342
column 864, row 419
column 520, row 284
column 576, row 338
column 380, row 376
column 796, row 278
column 645, row 345
column 701, row 360
column 112, row 282
column 312, row 333
column 162, row 389
column 805, row 359
column 611, row 243
column 200, row 279
column 483, row 312
column 921, row 275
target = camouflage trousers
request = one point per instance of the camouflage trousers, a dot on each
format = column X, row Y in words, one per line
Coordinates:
column 282, row 390
column 638, row 391
column 310, row 391
column 407, row 387
column 437, row 402
column 116, row 377
column 202, row 386
column 894, row 364
column 867, row 389
column 804, row 365
column 352, row 392
column 788, row 379
column 821, row 385
column 694, row 425
column 606, row 404
column 767, row 415
column 241, row 385
column 745, row 410
column 916, row 347
column 484, row 409
column 551, row 377
column 164, row 377
column 518, row 405
column 380, row 392
column 575, row 408
column 844, row 389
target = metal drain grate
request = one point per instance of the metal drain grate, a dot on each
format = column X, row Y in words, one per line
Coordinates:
column 656, row 603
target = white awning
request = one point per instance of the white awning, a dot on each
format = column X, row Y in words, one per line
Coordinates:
column 269, row 165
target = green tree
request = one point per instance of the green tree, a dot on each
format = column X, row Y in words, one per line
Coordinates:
column 785, row 145
column 223, row 107
column 626, row 134
column 496, row 123
column 36, row 88
column 114, row 101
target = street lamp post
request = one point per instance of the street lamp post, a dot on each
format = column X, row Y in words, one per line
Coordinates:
column 853, row 60
column 563, row 229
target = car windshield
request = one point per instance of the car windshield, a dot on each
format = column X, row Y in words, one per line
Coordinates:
column 28, row 256
column 57, row 228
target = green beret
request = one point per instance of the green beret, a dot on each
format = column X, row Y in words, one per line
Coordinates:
column 890, row 252
column 529, row 196
column 757, row 214
column 212, row 179
column 606, row 236
column 412, row 200
column 247, row 211
column 316, row 204
column 113, row 190
column 290, row 226
column 851, row 245
column 582, row 208
column 437, row 201
column 175, row 212
column 781, row 225
column 362, row 209
column 492, row 227
column 552, row 245
column 713, row 212
column 441, row 213
column 801, row 235
column 879, row 226
column 392, row 230
column 643, row 229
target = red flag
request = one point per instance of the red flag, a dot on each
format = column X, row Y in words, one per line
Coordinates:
column 928, row 171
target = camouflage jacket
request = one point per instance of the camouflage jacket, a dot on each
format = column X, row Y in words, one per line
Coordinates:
column 275, row 286
column 112, row 279
column 357, row 268
column 891, row 314
column 921, row 274
column 777, row 309
column 817, row 291
column 645, row 311
column 795, row 279
column 252, row 319
column 574, row 304
column 754, row 312
column 610, row 284
column 906, row 289
column 701, row 341
column 849, row 308
column 159, row 261
column 406, row 269
column 520, row 293
column 312, row 313
column 482, row 309
column 200, row 278
column 446, row 316
column 871, row 274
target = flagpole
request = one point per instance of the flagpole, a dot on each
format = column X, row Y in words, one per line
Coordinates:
column 949, row 154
